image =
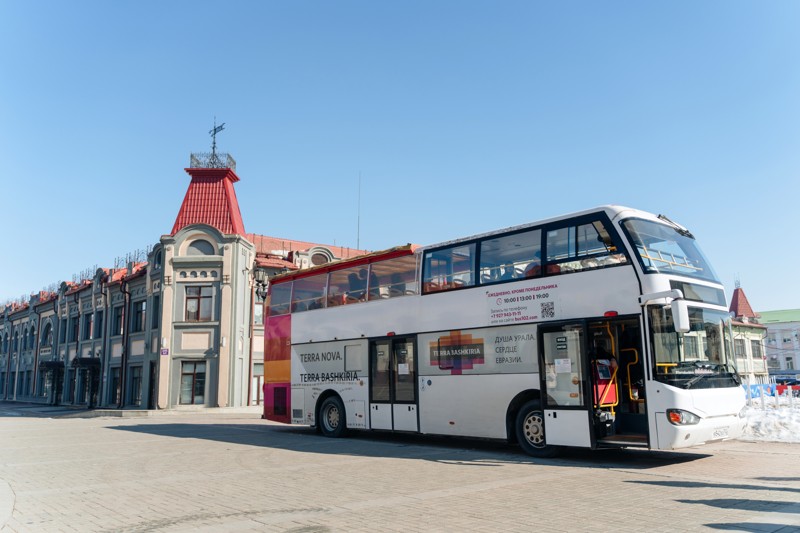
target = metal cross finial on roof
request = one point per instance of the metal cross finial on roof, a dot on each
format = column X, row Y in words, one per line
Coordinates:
column 213, row 159
column 213, row 134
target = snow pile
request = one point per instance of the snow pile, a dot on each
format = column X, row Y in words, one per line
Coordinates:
column 771, row 422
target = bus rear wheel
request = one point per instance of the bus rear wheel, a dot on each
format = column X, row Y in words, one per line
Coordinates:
column 530, row 431
column 332, row 421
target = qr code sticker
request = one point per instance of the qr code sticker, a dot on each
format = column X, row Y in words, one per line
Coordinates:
column 548, row 309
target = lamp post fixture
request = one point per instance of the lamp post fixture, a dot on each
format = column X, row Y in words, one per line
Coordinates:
column 262, row 283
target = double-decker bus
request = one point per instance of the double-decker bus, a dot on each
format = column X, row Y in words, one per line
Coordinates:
column 603, row 328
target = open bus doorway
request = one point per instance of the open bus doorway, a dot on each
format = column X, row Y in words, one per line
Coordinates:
column 616, row 375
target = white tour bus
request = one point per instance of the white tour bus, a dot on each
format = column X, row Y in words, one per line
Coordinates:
column 604, row 328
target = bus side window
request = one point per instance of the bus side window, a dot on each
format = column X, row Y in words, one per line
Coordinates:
column 510, row 257
column 393, row 277
column 581, row 247
column 338, row 287
column 278, row 300
column 450, row 268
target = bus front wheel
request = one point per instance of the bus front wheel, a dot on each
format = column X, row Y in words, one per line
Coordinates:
column 530, row 431
column 332, row 421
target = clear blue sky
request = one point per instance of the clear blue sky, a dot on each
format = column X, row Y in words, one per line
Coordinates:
column 460, row 117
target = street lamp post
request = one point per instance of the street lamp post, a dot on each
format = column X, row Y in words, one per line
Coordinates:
column 262, row 283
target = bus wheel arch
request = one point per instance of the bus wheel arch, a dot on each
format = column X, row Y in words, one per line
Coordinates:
column 331, row 416
column 513, row 408
column 530, row 430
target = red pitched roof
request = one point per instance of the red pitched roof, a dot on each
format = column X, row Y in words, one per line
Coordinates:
column 211, row 200
column 740, row 307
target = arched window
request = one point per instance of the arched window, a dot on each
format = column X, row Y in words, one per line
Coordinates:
column 320, row 256
column 201, row 247
column 5, row 343
column 32, row 338
column 16, row 341
column 47, row 336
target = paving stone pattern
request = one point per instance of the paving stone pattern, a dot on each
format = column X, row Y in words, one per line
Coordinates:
column 219, row 470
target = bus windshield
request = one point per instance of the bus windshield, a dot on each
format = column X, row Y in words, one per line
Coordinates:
column 667, row 249
column 700, row 359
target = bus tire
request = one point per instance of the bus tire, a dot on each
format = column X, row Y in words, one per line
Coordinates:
column 332, row 419
column 530, row 431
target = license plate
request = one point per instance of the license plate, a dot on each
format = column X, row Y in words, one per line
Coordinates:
column 720, row 433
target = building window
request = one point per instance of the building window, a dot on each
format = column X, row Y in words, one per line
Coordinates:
column 193, row 383
column 116, row 323
column 201, row 247
column 258, row 311
column 738, row 348
column 136, row 385
column 88, row 324
column 755, row 347
column 47, row 335
column 98, row 325
column 113, row 389
column 74, row 322
column 199, row 304
column 690, row 346
column 139, row 316
column 156, row 313
column 62, row 331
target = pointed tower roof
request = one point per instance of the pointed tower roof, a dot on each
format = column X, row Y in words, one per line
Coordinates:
column 740, row 307
column 211, row 200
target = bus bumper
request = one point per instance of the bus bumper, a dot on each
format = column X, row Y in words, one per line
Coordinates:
column 709, row 429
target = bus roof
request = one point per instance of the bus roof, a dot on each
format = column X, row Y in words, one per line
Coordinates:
column 613, row 211
column 391, row 253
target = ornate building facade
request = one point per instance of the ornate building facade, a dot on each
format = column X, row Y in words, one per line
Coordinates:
column 182, row 329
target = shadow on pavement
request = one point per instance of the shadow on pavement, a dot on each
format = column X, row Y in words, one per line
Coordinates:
column 410, row 446
column 698, row 484
column 761, row 527
column 745, row 504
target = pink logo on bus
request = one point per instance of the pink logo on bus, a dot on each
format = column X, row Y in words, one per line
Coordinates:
column 457, row 352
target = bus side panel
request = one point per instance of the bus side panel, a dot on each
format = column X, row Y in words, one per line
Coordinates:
column 469, row 405
column 276, row 402
column 338, row 366
column 277, row 368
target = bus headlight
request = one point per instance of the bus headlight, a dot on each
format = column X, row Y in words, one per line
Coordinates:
column 679, row 417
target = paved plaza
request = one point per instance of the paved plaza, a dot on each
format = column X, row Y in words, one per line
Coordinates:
column 218, row 470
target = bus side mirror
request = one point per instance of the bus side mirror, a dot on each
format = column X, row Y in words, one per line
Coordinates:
column 680, row 316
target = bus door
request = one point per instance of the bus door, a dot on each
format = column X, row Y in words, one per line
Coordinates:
column 616, row 377
column 566, row 407
column 393, row 384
